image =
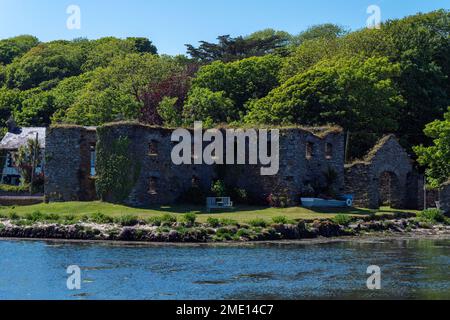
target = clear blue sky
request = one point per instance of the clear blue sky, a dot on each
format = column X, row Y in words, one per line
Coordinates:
column 172, row 23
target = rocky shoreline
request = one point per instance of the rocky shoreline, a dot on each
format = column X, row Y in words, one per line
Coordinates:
column 181, row 232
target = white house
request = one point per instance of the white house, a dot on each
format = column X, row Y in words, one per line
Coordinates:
column 10, row 144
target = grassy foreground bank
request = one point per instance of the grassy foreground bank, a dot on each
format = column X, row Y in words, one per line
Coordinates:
column 241, row 214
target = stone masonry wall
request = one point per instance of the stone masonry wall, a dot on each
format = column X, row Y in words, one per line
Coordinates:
column 298, row 175
column 160, row 182
column 363, row 178
column 444, row 197
column 68, row 164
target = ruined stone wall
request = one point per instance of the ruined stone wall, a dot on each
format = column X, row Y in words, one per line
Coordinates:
column 159, row 181
column 152, row 179
column 444, row 198
column 299, row 174
column 67, row 159
column 358, row 183
column 363, row 178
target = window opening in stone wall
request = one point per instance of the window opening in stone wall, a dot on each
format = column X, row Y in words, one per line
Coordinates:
column 153, row 187
column 328, row 151
column 93, row 154
column 309, row 150
column 153, row 148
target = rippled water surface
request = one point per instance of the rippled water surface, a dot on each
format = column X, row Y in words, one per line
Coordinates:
column 410, row 269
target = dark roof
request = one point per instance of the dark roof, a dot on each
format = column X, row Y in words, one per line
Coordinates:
column 12, row 141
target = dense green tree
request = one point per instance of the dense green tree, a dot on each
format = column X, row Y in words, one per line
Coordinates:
column 309, row 53
column 10, row 100
column 142, row 45
column 16, row 47
column 36, row 110
column 208, row 106
column 422, row 47
column 101, row 52
column 66, row 94
column 355, row 93
column 114, row 93
column 321, row 31
column 230, row 49
column 45, row 65
column 170, row 112
column 94, row 108
column 242, row 80
column 436, row 158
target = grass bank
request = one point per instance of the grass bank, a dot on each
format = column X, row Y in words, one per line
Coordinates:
column 241, row 214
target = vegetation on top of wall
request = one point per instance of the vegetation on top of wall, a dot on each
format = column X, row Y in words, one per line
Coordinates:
column 117, row 169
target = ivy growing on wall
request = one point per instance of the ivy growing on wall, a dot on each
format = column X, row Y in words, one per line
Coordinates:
column 117, row 171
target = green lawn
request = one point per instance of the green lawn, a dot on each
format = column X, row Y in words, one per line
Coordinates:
column 240, row 214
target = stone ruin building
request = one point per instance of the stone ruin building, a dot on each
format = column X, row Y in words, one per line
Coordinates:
column 385, row 176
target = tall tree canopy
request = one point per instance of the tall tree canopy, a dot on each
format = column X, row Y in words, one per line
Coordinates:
column 371, row 81
column 355, row 93
column 230, row 49
column 16, row 47
column 239, row 81
column 436, row 157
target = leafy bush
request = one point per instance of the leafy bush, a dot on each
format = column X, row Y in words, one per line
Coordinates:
column 154, row 221
column 243, row 233
column 219, row 189
column 127, row 220
column 228, row 222
column 281, row 220
column 168, row 219
column 23, row 222
column 35, row 216
column 342, row 219
column 279, row 199
column 213, row 222
column 100, row 218
column 431, row 215
column 69, row 219
column 240, row 196
column 13, row 216
column 190, row 218
column 225, row 233
column 52, row 217
column 258, row 223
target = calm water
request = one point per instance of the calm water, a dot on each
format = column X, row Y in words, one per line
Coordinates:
column 410, row 269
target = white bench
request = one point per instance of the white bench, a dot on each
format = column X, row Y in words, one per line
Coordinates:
column 218, row 203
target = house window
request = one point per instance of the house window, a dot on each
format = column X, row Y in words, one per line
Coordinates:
column 153, row 187
column 328, row 151
column 309, row 150
column 93, row 160
column 153, row 148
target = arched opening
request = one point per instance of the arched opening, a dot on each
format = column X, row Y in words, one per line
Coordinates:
column 389, row 194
